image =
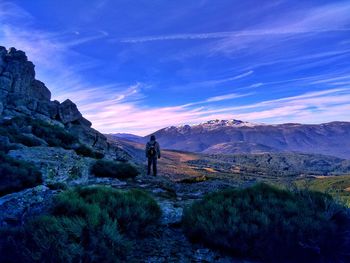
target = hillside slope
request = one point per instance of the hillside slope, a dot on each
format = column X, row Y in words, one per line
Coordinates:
column 228, row 137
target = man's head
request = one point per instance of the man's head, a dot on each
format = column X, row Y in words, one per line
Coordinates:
column 153, row 137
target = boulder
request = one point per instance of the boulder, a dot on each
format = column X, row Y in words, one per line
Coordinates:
column 56, row 164
column 21, row 70
column 15, row 100
column 49, row 109
column 3, row 97
column 39, row 91
column 3, row 53
column 68, row 112
column 17, row 75
column 89, row 136
column 85, row 122
column 23, row 109
column 6, row 81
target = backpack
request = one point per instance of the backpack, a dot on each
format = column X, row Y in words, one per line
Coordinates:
column 152, row 150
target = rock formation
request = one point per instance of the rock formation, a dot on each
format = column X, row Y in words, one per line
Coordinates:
column 23, row 95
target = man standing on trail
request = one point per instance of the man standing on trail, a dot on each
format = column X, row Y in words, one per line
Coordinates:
column 152, row 153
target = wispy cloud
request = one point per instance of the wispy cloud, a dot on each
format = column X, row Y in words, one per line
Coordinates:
column 232, row 34
column 226, row 97
column 319, row 106
column 52, row 52
column 121, row 106
column 323, row 19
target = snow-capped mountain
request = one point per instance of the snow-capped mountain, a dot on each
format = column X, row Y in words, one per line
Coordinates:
column 236, row 136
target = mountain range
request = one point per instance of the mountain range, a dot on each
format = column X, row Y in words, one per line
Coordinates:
column 237, row 137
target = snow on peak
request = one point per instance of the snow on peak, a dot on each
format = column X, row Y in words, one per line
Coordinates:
column 227, row 123
column 212, row 125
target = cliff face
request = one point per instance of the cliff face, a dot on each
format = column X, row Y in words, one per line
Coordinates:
column 23, row 95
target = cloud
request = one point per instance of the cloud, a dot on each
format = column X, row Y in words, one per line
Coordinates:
column 230, row 35
column 51, row 52
column 227, row 97
column 9, row 10
column 317, row 106
column 120, row 107
column 322, row 19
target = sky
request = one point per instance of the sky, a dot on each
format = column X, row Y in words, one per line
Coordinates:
column 139, row 66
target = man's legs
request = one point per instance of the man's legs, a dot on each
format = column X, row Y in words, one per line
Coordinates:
column 155, row 166
column 149, row 165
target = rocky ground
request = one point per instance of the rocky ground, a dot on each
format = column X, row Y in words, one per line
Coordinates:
column 168, row 242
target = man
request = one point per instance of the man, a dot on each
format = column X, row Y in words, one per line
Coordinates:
column 152, row 153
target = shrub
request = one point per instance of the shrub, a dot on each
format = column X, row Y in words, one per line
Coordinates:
column 55, row 136
column 15, row 136
column 120, row 170
column 17, row 175
column 135, row 211
column 57, row 186
column 86, row 151
column 26, row 140
column 270, row 224
column 86, row 225
column 52, row 134
column 5, row 145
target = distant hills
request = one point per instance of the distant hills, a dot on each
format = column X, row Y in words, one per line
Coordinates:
column 127, row 136
column 237, row 137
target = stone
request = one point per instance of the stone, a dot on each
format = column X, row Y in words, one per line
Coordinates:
column 85, row 122
column 17, row 54
column 68, row 112
column 47, row 119
column 23, row 109
column 49, row 109
column 4, row 140
column 39, row 91
column 16, row 208
column 22, row 74
column 17, row 75
column 6, row 81
column 20, row 100
column 171, row 215
column 56, row 164
column 3, row 53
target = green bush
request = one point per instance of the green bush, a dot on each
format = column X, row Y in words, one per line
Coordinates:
column 57, row 186
column 5, row 145
column 135, row 211
column 17, row 175
column 86, row 151
column 55, row 136
column 52, row 134
column 120, row 170
column 270, row 224
column 26, row 140
column 15, row 136
column 90, row 224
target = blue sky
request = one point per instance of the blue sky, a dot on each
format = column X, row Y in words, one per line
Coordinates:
column 138, row 66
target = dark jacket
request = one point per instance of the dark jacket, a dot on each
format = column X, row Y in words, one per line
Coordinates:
column 156, row 146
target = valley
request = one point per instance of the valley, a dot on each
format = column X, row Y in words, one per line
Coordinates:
column 62, row 181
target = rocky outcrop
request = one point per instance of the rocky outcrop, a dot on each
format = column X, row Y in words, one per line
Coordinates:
column 17, row 75
column 68, row 112
column 23, row 95
column 20, row 92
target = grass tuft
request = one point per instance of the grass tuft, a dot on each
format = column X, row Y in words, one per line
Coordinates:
column 120, row 170
column 270, row 224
